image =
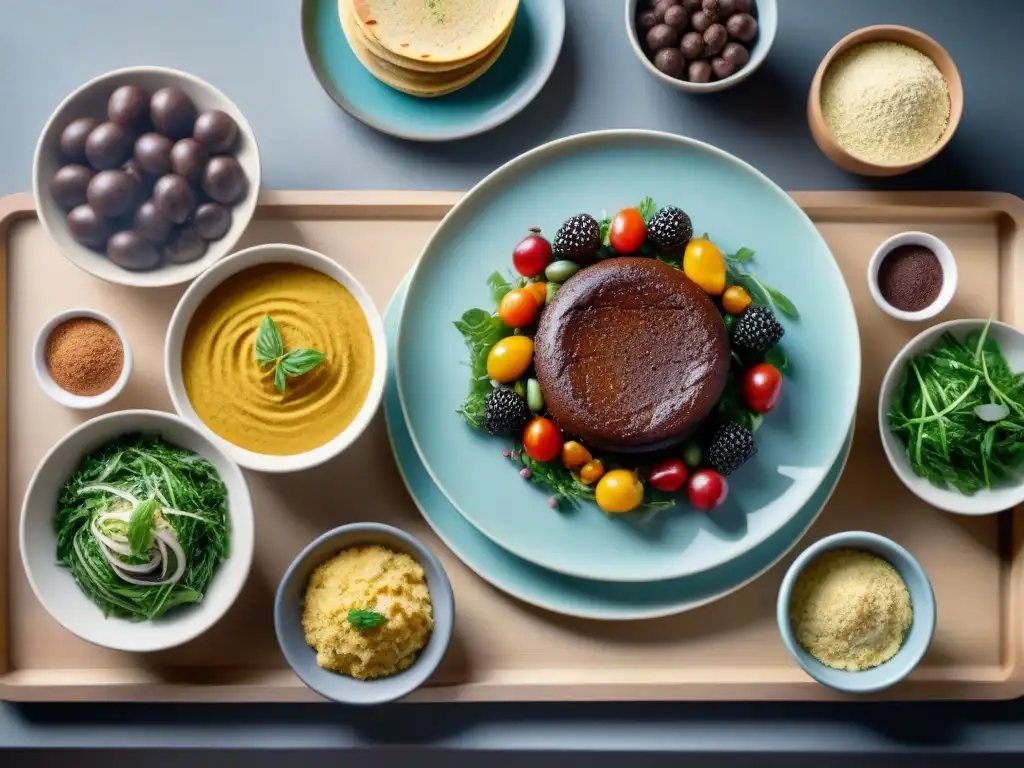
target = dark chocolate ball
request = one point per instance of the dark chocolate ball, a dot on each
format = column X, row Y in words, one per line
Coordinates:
column 710, row 8
column 677, row 18
column 129, row 106
column 111, row 193
column 224, row 180
column 174, row 198
column 742, row 26
column 661, row 36
column 142, row 180
column 726, row 8
column 149, row 223
column 699, row 72
column 715, row 38
column 659, row 8
column 187, row 159
column 700, row 22
column 742, row 6
column 722, row 68
column 212, row 221
column 108, row 146
column 216, row 131
column 645, row 21
column 184, row 246
column 72, row 138
column 692, row 6
column 69, row 184
column 669, row 61
column 173, row 113
column 153, row 153
column 130, row 250
column 736, row 54
column 87, row 227
column 692, row 45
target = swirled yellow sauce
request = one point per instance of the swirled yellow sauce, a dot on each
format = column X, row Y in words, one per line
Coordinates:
column 236, row 398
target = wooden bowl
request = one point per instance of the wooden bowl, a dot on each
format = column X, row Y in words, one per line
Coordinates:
column 884, row 33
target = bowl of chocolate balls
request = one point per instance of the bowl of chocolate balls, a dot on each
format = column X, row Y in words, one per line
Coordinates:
column 146, row 176
column 701, row 46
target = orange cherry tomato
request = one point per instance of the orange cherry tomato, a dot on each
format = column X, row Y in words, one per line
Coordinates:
column 542, row 440
column 517, row 308
column 628, row 231
column 591, row 472
column 735, row 300
column 539, row 291
column 574, row 455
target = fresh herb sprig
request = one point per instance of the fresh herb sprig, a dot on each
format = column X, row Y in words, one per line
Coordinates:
column 935, row 413
column 759, row 291
column 270, row 350
column 363, row 620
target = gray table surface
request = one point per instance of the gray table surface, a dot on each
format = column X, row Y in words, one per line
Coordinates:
column 252, row 49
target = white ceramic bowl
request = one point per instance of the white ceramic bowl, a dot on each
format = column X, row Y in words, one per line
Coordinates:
column 984, row 502
column 53, row 584
column 201, row 288
column 62, row 396
column 90, row 100
column 946, row 261
column 767, row 15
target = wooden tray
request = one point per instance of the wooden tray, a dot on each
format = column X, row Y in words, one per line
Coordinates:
column 504, row 650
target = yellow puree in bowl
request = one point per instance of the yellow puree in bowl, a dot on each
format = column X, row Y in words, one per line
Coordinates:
column 236, row 398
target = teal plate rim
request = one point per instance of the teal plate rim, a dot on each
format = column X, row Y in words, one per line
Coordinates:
column 519, row 101
column 449, row 525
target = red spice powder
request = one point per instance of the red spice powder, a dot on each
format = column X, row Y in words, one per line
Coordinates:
column 84, row 356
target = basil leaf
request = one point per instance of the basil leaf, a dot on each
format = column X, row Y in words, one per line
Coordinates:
column 300, row 361
column 140, row 527
column 741, row 256
column 782, row 302
column 269, row 344
column 279, row 380
column 777, row 356
column 362, row 620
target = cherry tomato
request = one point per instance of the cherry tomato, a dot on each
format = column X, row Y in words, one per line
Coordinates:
column 707, row 489
column 542, row 440
column 704, row 264
column 619, row 491
column 591, row 472
column 531, row 255
column 628, row 231
column 574, row 455
column 510, row 358
column 762, row 386
column 735, row 300
column 668, row 476
column 517, row 308
column 539, row 290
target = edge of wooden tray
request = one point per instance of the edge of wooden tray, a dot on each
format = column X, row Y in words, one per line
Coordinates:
column 790, row 684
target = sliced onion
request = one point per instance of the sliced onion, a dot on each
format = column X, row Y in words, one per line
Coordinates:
column 121, row 565
column 992, row 412
column 163, row 557
column 171, row 541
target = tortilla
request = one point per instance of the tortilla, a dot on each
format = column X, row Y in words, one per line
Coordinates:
column 440, row 31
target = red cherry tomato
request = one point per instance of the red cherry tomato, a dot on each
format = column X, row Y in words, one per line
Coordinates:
column 542, row 440
column 531, row 255
column 707, row 489
column 518, row 307
column 668, row 476
column 762, row 386
column 628, row 231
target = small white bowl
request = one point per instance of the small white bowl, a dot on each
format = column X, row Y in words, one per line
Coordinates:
column 984, row 502
column 90, row 100
column 62, row 396
column 767, row 15
column 946, row 261
column 55, row 587
column 278, row 253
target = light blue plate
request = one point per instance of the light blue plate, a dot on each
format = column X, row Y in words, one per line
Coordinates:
column 498, row 95
column 564, row 594
column 800, row 440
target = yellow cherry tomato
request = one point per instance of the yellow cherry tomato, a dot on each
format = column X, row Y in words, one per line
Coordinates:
column 510, row 358
column 591, row 472
column 735, row 300
column 704, row 264
column 574, row 455
column 517, row 308
column 619, row 491
column 539, row 290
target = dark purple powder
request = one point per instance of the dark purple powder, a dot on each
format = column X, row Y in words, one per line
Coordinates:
column 910, row 277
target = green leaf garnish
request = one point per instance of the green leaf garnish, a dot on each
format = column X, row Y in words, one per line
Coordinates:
column 269, row 350
column 647, row 209
column 742, row 255
column 777, row 356
column 269, row 344
column 140, row 527
column 300, row 361
column 362, row 620
column 480, row 330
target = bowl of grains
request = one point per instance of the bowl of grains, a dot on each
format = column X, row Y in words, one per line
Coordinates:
column 884, row 101
column 857, row 612
column 82, row 358
column 912, row 276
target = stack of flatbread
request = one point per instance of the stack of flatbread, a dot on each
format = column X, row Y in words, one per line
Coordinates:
column 427, row 47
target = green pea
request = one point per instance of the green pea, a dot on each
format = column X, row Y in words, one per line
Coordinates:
column 534, row 399
column 560, row 271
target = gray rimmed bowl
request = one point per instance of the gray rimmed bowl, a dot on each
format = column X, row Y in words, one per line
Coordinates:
column 302, row 658
column 915, row 644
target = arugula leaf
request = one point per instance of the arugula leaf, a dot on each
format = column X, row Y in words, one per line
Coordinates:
column 499, row 286
column 140, row 527
column 300, row 361
column 362, row 620
column 647, row 209
column 269, row 344
column 480, row 330
column 741, row 256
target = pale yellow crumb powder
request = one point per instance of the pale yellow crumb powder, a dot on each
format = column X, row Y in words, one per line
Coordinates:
column 367, row 578
column 885, row 102
column 850, row 610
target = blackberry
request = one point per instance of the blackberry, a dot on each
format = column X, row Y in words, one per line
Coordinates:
column 505, row 412
column 670, row 228
column 578, row 238
column 757, row 330
column 730, row 448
